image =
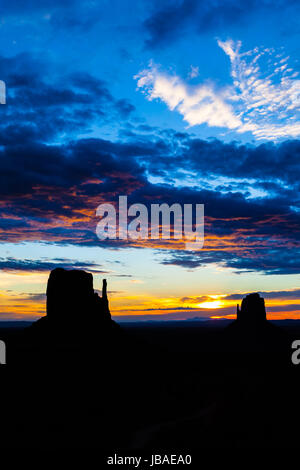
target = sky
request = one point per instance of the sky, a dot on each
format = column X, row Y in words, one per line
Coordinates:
column 169, row 101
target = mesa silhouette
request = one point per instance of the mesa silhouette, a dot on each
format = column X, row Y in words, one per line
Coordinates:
column 77, row 327
column 253, row 310
column 73, row 305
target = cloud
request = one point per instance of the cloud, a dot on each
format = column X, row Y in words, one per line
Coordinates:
column 29, row 265
column 174, row 18
column 196, row 300
column 197, row 106
column 38, row 202
column 44, row 107
column 284, row 294
column 268, row 261
column 34, row 297
column 51, row 180
column 230, row 167
column 263, row 100
column 270, row 99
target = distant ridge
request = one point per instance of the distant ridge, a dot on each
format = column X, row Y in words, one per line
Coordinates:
column 221, row 321
column 15, row 323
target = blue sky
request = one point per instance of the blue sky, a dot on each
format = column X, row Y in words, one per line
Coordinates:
column 170, row 101
column 116, row 41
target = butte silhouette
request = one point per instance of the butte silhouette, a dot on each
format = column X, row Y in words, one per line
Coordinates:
column 251, row 330
column 73, row 307
column 78, row 327
column 253, row 311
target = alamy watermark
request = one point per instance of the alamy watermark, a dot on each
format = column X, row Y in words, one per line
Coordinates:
column 2, row 92
column 2, row 352
column 186, row 225
column 296, row 354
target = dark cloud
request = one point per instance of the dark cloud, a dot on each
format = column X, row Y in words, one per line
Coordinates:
column 52, row 181
column 165, row 23
column 42, row 107
column 279, row 294
column 284, row 308
column 51, row 193
column 173, row 18
column 196, row 300
column 13, row 264
column 268, row 261
column 193, row 314
column 269, row 164
column 33, row 297
column 124, row 107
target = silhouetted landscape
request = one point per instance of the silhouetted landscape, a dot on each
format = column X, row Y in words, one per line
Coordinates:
column 76, row 379
column 149, row 229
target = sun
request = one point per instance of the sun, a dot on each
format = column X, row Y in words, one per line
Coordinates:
column 210, row 304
